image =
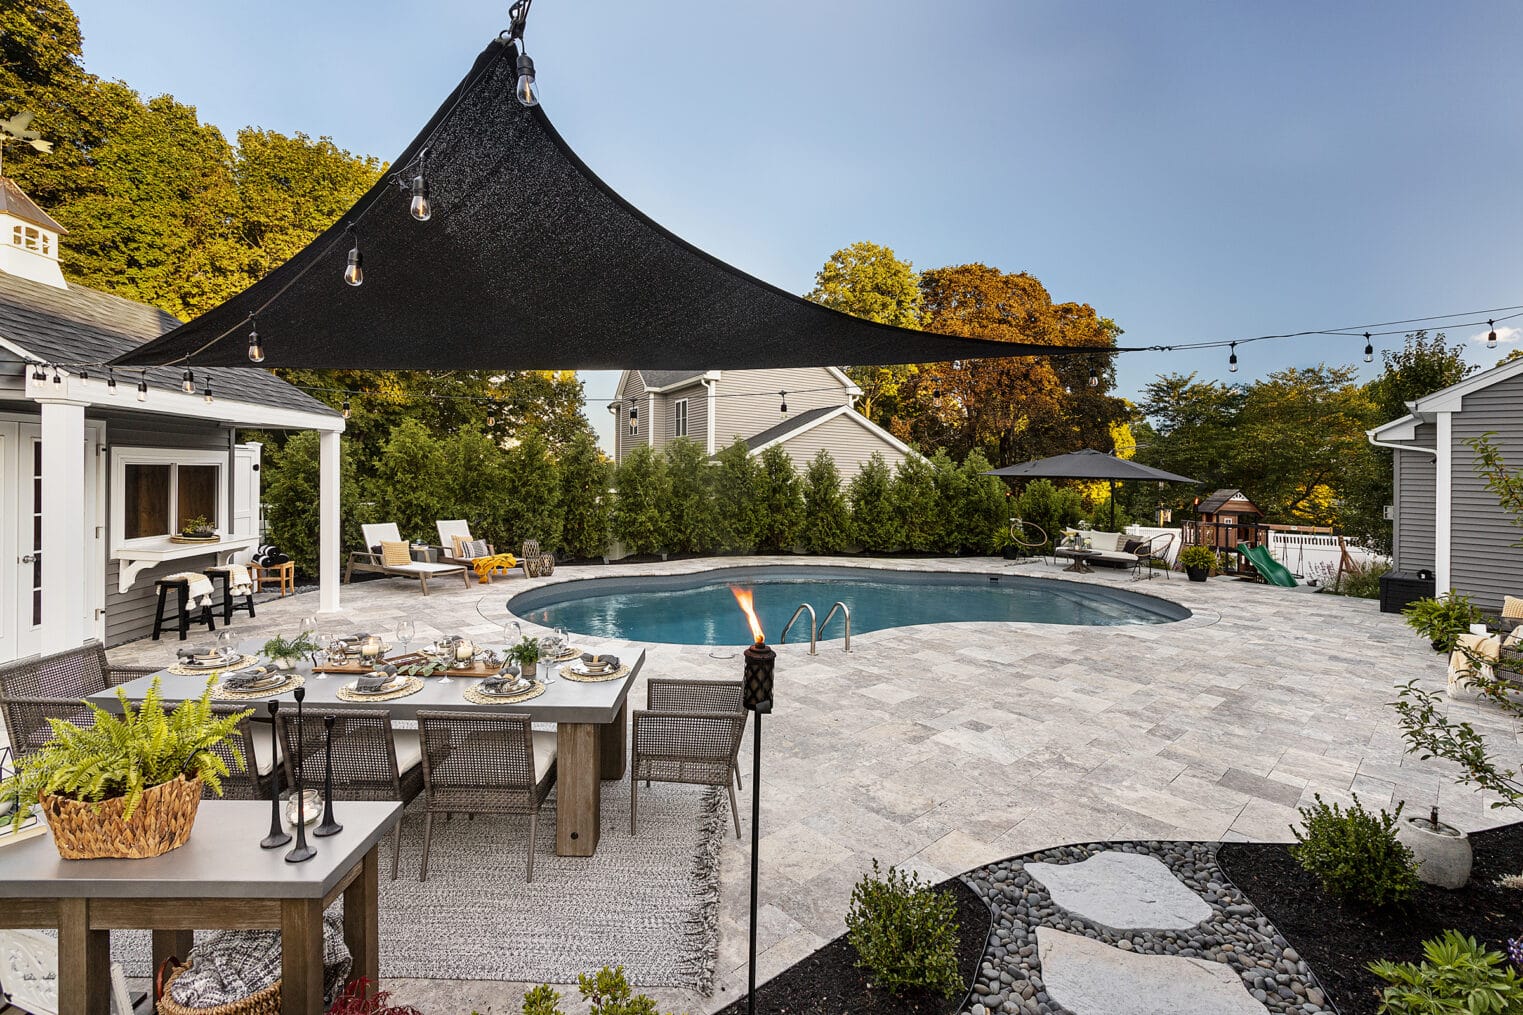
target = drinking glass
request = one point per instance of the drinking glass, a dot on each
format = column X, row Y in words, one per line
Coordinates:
column 406, row 631
column 320, row 657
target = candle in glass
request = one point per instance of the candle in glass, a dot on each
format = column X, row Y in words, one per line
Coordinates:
column 370, row 648
column 464, row 652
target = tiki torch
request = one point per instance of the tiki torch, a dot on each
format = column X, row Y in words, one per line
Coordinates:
column 756, row 695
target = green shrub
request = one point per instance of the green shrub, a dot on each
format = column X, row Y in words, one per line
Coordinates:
column 827, row 518
column 916, row 502
column 874, row 521
column 1458, row 976
column 639, row 510
column 1197, row 556
column 904, row 933
column 737, row 482
column 1354, row 853
column 530, row 498
column 542, row 1000
column 1044, row 504
column 780, row 496
column 292, row 499
column 585, row 500
column 690, row 507
column 476, row 485
column 982, row 512
column 609, row 994
column 408, row 486
column 1443, row 619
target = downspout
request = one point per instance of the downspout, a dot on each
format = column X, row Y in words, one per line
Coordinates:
column 650, row 421
column 1443, row 504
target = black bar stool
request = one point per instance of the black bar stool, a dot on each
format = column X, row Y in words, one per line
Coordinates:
column 182, row 587
column 223, row 576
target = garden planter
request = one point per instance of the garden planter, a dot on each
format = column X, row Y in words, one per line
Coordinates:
column 1442, row 851
column 530, row 669
column 161, row 822
column 1198, row 574
column 283, row 665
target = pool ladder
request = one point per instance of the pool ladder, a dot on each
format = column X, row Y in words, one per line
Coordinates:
column 815, row 629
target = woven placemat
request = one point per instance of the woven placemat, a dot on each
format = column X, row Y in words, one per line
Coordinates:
column 473, row 693
column 206, row 671
column 222, row 693
column 413, row 686
column 566, row 671
column 571, row 652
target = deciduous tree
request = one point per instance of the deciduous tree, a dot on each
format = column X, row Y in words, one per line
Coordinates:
column 868, row 280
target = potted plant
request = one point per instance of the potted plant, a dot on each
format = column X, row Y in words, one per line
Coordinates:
column 1442, row 620
column 196, row 530
column 526, row 655
column 1442, row 851
column 284, row 653
column 128, row 785
column 1197, row 562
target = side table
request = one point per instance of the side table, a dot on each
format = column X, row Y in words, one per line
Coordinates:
column 282, row 576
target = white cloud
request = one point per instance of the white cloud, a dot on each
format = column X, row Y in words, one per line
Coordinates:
column 1505, row 335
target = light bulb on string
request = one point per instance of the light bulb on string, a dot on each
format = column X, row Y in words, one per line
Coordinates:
column 526, row 90
column 491, row 418
column 256, row 347
column 1232, row 360
column 142, row 387
column 346, row 406
column 1094, row 377
column 420, row 206
column 84, row 378
column 206, row 396
column 936, row 396
column 39, row 373
column 783, row 407
column 57, row 378
column 111, row 382
column 354, row 271
column 1369, row 349
column 188, row 382
column 1068, row 389
column 1491, row 336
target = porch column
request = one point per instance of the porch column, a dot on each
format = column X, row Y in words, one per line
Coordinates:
column 328, row 513
column 63, row 521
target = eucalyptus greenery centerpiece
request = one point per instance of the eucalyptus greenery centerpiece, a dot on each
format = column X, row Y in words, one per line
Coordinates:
column 286, row 652
column 526, row 655
column 126, row 785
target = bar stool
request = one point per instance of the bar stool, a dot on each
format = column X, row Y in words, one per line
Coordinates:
column 223, row 575
column 182, row 586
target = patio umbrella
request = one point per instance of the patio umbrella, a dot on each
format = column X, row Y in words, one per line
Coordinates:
column 1090, row 464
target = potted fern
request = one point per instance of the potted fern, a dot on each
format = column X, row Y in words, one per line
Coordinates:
column 1197, row 562
column 128, row 785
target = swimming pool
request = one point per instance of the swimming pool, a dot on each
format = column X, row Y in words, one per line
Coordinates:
column 698, row 609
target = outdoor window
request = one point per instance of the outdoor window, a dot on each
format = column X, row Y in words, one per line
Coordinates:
column 679, row 418
column 157, row 492
column 29, row 238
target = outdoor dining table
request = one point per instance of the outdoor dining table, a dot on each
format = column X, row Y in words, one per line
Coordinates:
column 592, row 722
column 220, row 879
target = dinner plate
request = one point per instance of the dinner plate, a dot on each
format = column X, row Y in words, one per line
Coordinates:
column 270, row 680
column 584, row 670
column 506, row 692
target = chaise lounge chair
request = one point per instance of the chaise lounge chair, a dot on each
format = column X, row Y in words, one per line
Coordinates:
column 457, row 547
column 387, row 553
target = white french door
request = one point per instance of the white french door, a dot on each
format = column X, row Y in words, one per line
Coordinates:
column 29, row 604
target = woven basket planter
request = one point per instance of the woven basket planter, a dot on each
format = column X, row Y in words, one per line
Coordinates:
column 162, row 821
column 263, row 1002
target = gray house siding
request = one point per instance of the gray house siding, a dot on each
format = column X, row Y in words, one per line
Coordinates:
column 1484, row 563
column 697, row 398
column 631, row 387
column 747, row 401
column 849, row 443
column 1414, row 486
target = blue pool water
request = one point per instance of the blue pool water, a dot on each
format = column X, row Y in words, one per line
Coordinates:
column 698, row 609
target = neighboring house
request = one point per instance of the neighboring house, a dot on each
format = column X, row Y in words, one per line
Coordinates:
column 1445, row 520
column 655, row 407
column 94, row 479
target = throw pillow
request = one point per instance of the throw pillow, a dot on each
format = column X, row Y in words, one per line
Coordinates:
column 1512, row 607
column 479, row 548
column 395, row 554
column 1133, row 545
column 460, row 546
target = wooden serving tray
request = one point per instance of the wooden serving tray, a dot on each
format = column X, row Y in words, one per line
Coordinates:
column 476, row 669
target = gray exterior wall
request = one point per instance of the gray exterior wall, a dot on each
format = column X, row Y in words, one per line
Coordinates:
column 697, row 397
column 849, row 443
column 1484, row 563
column 807, row 387
column 1414, row 489
column 630, row 387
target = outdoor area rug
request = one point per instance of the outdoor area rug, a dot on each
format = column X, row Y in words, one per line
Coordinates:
column 649, row 902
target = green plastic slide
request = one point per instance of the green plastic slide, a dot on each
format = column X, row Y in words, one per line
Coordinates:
column 1272, row 570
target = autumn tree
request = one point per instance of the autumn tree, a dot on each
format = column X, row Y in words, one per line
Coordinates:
column 869, row 281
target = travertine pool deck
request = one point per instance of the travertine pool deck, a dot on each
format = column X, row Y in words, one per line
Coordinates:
column 942, row 748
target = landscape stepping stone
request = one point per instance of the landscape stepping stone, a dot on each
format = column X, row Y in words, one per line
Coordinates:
column 1122, row 891
column 1089, row 977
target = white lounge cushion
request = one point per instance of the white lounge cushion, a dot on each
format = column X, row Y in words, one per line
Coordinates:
column 409, row 750
column 263, row 763
column 424, row 567
column 544, row 752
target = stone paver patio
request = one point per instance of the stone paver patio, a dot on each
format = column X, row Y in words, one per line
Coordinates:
column 943, row 748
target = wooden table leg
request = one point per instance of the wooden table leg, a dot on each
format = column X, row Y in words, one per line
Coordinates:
column 578, row 792
column 171, row 944
column 84, row 961
column 361, row 919
column 613, row 744
column 301, row 956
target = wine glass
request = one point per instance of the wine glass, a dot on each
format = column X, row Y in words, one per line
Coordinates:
column 320, row 657
column 307, row 629
column 406, row 632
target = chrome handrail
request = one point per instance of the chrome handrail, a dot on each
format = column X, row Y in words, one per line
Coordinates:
column 846, row 618
column 814, row 629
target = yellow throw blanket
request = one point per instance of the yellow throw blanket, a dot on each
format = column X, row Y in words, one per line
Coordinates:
column 496, row 562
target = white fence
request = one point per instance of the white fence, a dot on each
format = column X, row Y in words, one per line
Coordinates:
column 1306, row 554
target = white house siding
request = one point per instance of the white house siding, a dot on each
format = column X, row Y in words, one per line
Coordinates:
column 1484, row 562
column 849, row 443
column 807, row 387
column 1413, row 476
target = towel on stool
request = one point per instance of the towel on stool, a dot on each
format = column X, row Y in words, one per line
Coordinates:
column 238, row 581
column 200, row 586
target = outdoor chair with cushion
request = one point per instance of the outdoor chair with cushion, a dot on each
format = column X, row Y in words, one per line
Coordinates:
column 698, row 748
column 389, row 554
column 36, row 688
column 1150, row 551
column 537, row 563
column 456, row 546
column 371, row 761
column 482, row 763
column 253, row 740
column 666, row 694
column 1105, row 548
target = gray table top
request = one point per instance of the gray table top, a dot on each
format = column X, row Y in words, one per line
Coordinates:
column 564, row 701
column 221, row 859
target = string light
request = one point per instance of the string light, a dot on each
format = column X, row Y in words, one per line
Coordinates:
column 936, row 396
column 346, row 407
column 84, row 378
column 206, row 396
column 634, row 418
column 142, row 387
column 1232, row 360
column 111, row 382
column 783, row 408
column 256, row 348
column 1369, row 349
column 188, row 382
column 491, row 419
column 39, row 373
column 354, row 272
column 57, row 378
column 1491, row 336
column 1094, row 378
column 419, row 206
column 526, row 90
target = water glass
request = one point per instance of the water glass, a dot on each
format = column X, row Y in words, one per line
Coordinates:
column 406, row 631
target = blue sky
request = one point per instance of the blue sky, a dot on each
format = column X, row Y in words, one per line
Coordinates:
column 1194, row 171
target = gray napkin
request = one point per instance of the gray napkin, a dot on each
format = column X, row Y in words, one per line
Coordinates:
column 246, row 678
column 595, row 658
column 508, row 677
column 370, row 683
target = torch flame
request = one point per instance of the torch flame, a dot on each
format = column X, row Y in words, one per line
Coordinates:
column 744, row 598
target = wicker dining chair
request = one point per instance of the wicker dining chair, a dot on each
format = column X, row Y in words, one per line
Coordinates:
column 37, row 688
column 667, row 694
column 484, row 763
column 371, row 760
column 698, row 748
column 252, row 740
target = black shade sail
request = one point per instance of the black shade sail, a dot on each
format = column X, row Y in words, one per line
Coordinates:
column 528, row 262
column 1088, row 464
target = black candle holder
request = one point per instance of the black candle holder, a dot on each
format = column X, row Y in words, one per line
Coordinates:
column 278, row 836
column 301, row 852
column 329, row 825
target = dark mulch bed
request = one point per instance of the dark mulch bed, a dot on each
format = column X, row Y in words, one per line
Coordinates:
column 829, row 982
column 1339, row 940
